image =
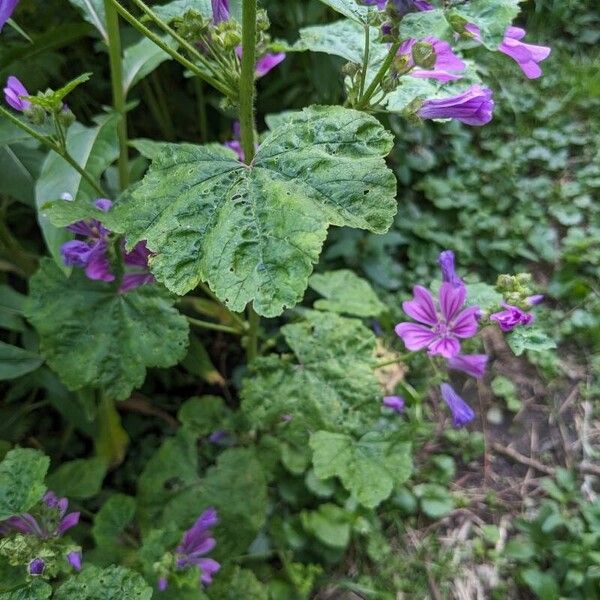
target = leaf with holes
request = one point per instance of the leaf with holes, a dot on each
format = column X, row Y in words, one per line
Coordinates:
column 254, row 232
column 93, row 336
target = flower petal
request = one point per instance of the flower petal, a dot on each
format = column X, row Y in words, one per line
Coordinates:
column 69, row 521
column 462, row 413
column 421, row 308
column 471, row 364
column 414, row 336
column 465, row 324
column 452, row 300
column 446, row 347
column 209, row 567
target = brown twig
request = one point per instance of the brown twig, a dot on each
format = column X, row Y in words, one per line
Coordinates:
column 141, row 405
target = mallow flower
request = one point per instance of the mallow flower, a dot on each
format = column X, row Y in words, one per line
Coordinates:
column 440, row 325
column 140, row 275
column 13, row 91
column 7, row 8
column 462, row 413
column 446, row 62
column 471, row 364
column 511, row 317
column 527, row 56
column 395, row 403
column 220, row 11
column 195, row 544
column 446, row 262
column 473, row 107
column 265, row 63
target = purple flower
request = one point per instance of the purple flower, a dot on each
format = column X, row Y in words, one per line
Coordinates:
column 138, row 258
column 533, row 300
column 471, row 364
column 15, row 89
column 218, row 436
column 473, row 107
column 446, row 262
column 6, row 10
column 268, row 62
column 380, row 4
column 162, row 584
column 395, row 403
column 74, row 559
column 441, row 328
column 220, row 11
column 54, row 523
column 265, row 63
column 36, row 567
column 196, row 543
column 527, row 56
column 445, row 60
column 423, row 5
column 511, row 317
column 462, row 413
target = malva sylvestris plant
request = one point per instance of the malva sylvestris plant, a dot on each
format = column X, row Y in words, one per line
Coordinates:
column 217, row 236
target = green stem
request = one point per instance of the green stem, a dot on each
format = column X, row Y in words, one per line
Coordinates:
column 118, row 92
column 363, row 75
column 213, row 326
column 247, row 78
column 247, row 91
column 364, row 101
column 164, row 46
column 49, row 143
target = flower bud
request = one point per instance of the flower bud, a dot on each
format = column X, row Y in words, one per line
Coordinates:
column 423, row 55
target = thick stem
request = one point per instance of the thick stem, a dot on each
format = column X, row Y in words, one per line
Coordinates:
column 53, row 146
column 364, row 101
column 247, row 78
column 164, row 46
column 213, row 326
column 247, row 91
column 118, row 93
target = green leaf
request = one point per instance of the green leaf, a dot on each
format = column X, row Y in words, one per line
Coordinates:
column 346, row 293
column 94, row 148
column 434, row 499
column 80, row 478
column 352, row 9
column 91, row 335
column 368, row 468
column 53, row 100
column 343, row 38
column 198, row 362
column 111, row 521
column 11, row 309
column 139, row 60
column 426, row 23
column 15, row 361
column 93, row 12
column 491, row 16
column 20, row 166
column 542, row 584
column 235, row 583
column 484, row 295
column 22, row 486
column 332, row 384
column 329, row 523
column 529, row 338
column 178, row 8
column 254, row 232
column 520, row 548
column 202, row 416
column 172, row 469
column 236, row 486
column 35, row 590
column 112, row 583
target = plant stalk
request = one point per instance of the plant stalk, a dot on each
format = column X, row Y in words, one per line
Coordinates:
column 363, row 75
column 213, row 326
column 164, row 46
column 247, row 91
column 61, row 151
column 364, row 100
column 118, row 92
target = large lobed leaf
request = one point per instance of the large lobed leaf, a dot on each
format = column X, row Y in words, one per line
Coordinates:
column 93, row 336
column 254, row 232
column 332, row 377
column 369, row 468
column 22, row 486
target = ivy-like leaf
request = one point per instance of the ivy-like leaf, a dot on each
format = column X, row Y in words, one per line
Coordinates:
column 109, row 525
column 426, row 23
column 112, row 583
column 346, row 293
column 491, row 16
column 529, row 338
column 351, row 9
column 93, row 336
column 80, row 478
column 202, row 416
column 254, row 232
column 22, row 486
column 333, row 374
column 368, row 468
column 330, row 524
